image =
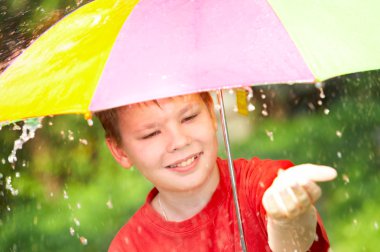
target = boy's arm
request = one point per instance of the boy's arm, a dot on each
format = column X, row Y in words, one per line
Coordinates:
column 292, row 218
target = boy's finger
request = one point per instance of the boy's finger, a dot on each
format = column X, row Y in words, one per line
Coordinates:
column 313, row 190
column 309, row 172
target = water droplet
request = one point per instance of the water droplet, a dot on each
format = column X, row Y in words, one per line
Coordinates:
column 17, row 174
column 345, row 178
column 90, row 122
column 28, row 132
column 83, row 141
column 338, row 133
column 339, row 154
column 264, row 113
column 71, row 135
column 251, row 107
column 326, row 111
column 270, row 134
column 109, row 204
column 65, row 195
column 376, row 225
column 83, row 240
column 3, row 161
column 263, row 96
column 72, row 231
column 347, row 195
column 78, row 205
column 319, row 102
column 311, row 106
column 8, row 186
column 355, row 221
column 76, row 221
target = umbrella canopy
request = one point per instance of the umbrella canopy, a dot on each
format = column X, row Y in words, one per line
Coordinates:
column 111, row 53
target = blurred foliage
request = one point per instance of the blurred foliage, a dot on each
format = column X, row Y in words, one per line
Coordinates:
column 70, row 195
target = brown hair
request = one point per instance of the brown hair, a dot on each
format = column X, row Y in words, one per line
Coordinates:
column 109, row 118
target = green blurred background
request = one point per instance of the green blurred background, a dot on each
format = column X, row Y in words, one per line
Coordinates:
column 66, row 193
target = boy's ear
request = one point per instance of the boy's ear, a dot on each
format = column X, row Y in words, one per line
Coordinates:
column 118, row 153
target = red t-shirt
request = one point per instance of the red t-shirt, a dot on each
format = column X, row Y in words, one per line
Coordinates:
column 215, row 227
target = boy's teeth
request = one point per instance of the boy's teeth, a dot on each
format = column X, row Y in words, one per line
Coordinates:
column 184, row 163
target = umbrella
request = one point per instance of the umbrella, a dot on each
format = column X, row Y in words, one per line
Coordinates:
column 111, row 53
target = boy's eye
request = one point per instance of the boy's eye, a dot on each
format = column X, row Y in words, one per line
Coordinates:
column 150, row 135
column 189, row 118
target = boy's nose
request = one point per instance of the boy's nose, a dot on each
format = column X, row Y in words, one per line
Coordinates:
column 177, row 140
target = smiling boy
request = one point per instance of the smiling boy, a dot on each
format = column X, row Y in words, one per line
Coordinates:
column 173, row 143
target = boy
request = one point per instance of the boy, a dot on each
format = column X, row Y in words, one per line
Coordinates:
column 173, row 143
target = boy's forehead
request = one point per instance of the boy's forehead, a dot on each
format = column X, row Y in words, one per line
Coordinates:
column 161, row 102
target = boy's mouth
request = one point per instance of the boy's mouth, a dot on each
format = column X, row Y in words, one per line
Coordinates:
column 185, row 162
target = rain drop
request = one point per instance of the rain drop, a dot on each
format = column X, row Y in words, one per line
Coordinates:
column 326, row 111
column 83, row 240
column 345, row 178
column 72, row 231
column 251, row 107
column 8, row 186
column 338, row 133
column 83, row 141
column 339, row 154
column 76, row 221
column 376, row 225
column 90, row 122
column 270, row 135
column 71, row 135
column 28, row 132
column 264, row 113
column 65, row 195
column 109, row 204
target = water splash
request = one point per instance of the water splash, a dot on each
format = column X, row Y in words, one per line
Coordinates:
column 28, row 132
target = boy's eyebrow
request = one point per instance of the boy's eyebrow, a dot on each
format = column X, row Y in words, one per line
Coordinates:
column 183, row 110
column 188, row 107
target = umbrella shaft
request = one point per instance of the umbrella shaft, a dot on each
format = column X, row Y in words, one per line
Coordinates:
column 231, row 167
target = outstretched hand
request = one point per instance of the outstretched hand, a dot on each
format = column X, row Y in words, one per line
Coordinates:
column 295, row 190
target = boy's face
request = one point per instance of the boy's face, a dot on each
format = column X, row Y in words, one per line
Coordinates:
column 172, row 142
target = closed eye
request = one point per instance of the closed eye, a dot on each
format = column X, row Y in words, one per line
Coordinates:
column 150, row 135
column 189, row 118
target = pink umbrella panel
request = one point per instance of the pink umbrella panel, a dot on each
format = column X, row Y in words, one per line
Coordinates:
column 112, row 53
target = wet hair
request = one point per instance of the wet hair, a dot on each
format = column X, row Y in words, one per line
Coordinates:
column 110, row 119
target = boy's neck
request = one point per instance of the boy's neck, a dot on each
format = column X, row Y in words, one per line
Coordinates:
column 180, row 206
